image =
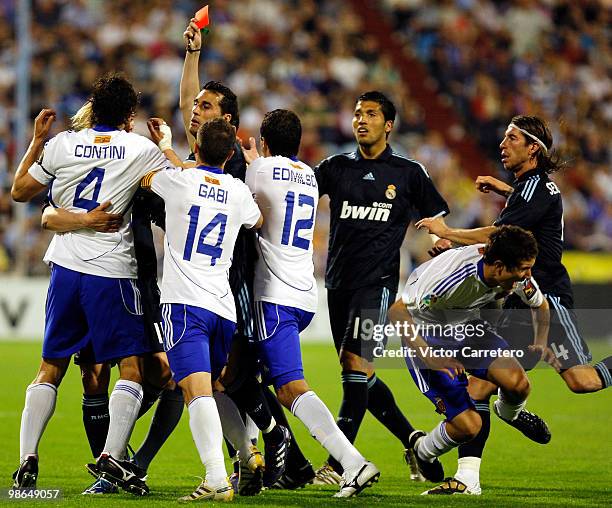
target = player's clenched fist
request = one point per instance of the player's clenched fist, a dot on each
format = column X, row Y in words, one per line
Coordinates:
column 43, row 122
column 485, row 184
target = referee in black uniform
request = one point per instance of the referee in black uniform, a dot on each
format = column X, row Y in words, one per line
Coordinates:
column 534, row 203
column 373, row 194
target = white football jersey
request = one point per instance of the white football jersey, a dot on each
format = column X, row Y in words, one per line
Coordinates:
column 450, row 288
column 287, row 194
column 205, row 209
column 84, row 169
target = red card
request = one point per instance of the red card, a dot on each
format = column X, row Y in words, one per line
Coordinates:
column 202, row 17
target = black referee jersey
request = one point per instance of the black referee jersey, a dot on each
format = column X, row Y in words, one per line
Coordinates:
column 536, row 205
column 372, row 202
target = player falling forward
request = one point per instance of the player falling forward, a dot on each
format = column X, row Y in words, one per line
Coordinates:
column 92, row 294
column 534, row 203
column 446, row 293
column 285, row 287
column 205, row 209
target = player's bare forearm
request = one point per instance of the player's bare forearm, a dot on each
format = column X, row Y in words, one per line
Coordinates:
column 25, row 187
column 541, row 324
column 189, row 89
column 469, row 236
column 176, row 161
column 60, row 220
column 398, row 313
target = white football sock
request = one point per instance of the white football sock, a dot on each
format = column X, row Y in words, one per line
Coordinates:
column 435, row 443
column 39, row 406
column 253, row 431
column 507, row 410
column 208, row 436
column 123, row 406
column 468, row 471
column 233, row 426
column 321, row 425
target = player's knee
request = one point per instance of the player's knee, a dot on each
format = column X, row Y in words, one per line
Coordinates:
column 465, row 426
column 351, row 361
column 290, row 391
column 518, row 386
column 579, row 380
column 157, row 370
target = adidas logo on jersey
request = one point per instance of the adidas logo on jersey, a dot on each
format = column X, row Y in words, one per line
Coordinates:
column 378, row 211
column 369, row 176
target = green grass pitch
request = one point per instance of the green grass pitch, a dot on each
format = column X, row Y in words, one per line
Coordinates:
column 573, row 470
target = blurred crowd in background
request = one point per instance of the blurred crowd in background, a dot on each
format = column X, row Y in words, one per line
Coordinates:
column 490, row 59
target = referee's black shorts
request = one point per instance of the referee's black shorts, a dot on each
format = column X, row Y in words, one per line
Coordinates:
column 564, row 337
column 353, row 314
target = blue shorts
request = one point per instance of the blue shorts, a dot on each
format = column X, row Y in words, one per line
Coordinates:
column 87, row 309
column 450, row 396
column 277, row 330
column 195, row 340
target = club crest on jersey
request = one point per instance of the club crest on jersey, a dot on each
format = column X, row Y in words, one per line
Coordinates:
column 390, row 192
column 102, row 139
column 428, row 301
column 529, row 289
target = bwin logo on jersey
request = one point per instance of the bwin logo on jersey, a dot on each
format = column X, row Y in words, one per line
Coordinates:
column 378, row 211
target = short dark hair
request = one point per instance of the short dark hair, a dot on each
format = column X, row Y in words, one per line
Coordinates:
column 511, row 245
column 534, row 125
column 113, row 100
column 387, row 107
column 215, row 141
column 282, row 131
column 228, row 102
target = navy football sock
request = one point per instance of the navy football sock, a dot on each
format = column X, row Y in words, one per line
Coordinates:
column 167, row 415
column 352, row 409
column 604, row 371
column 96, row 419
column 382, row 405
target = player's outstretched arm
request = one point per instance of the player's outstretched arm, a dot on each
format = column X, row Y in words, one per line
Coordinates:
column 438, row 227
column 190, row 79
column 25, row 187
column 98, row 219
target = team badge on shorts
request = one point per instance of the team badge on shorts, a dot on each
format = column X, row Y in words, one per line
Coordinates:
column 440, row 406
column 390, row 192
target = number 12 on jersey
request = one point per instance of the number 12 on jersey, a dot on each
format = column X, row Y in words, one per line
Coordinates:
column 214, row 251
column 303, row 200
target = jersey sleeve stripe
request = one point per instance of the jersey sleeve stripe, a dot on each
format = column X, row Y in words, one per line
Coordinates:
column 451, row 277
column 529, row 189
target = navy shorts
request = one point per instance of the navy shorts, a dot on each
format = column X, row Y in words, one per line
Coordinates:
column 352, row 315
column 195, row 340
column 450, row 396
column 564, row 337
column 102, row 312
column 277, row 342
